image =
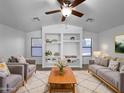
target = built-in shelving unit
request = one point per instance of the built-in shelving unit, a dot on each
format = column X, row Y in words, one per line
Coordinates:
column 62, row 45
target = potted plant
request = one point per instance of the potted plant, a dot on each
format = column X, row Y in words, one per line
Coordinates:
column 61, row 64
column 48, row 53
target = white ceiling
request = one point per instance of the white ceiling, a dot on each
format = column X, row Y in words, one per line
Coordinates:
column 19, row 14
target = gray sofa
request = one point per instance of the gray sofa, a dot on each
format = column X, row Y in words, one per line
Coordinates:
column 114, row 79
column 29, row 67
column 11, row 83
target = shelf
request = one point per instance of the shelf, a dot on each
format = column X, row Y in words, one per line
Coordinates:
column 52, row 57
column 63, row 43
column 50, row 63
column 53, row 43
column 71, row 41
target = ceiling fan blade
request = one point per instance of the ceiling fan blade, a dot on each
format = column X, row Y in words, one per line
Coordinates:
column 76, row 13
column 77, row 2
column 60, row 2
column 54, row 11
column 63, row 18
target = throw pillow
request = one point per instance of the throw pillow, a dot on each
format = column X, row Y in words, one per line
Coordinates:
column 4, row 69
column 97, row 61
column 14, row 59
column 104, row 62
column 113, row 65
column 21, row 59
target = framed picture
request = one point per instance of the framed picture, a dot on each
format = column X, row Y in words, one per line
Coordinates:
column 119, row 44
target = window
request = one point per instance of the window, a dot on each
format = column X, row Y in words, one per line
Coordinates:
column 87, row 47
column 36, row 47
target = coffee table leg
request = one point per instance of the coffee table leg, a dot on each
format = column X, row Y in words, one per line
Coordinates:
column 73, row 88
column 50, row 88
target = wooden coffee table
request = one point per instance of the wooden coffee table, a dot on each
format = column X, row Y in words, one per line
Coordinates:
column 62, row 83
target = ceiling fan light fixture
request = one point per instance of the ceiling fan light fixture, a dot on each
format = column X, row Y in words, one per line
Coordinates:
column 66, row 11
column 67, row 8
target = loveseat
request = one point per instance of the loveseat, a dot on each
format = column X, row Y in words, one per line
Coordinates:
column 114, row 79
column 11, row 83
column 29, row 67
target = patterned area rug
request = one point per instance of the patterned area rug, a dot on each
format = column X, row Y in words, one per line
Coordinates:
column 86, row 83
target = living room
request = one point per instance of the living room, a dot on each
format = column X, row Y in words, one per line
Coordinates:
column 35, row 43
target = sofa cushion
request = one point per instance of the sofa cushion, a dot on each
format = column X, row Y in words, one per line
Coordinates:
column 120, row 59
column 112, row 77
column 113, row 65
column 97, row 61
column 21, row 59
column 13, row 79
column 31, row 67
column 104, row 62
column 95, row 67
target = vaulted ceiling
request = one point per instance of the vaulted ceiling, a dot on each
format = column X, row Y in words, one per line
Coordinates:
column 19, row 14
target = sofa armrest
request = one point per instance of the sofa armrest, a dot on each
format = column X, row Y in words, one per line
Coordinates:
column 15, row 63
column 16, row 69
column 3, row 85
column 121, row 82
column 22, row 64
column 18, row 64
column 91, row 62
column 3, row 75
column 2, row 80
column 31, row 61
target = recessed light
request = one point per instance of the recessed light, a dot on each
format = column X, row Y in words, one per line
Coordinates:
column 36, row 19
column 90, row 20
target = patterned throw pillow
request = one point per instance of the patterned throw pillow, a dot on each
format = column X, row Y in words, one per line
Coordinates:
column 122, row 69
column 13, row 59
column 21, row 59
column 4, row 69
column 113, row 65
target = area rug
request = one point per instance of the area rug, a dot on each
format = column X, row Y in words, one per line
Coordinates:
column 86, row 83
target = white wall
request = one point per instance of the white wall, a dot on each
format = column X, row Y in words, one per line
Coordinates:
column 30, row 35
column 106, row 40
column 12, row 41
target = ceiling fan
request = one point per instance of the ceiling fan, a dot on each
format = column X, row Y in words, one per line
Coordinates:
column 66, row 8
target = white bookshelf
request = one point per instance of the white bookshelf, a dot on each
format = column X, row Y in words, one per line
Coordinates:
column 62, row 45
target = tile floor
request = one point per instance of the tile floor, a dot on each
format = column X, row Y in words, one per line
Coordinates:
column 86, row 83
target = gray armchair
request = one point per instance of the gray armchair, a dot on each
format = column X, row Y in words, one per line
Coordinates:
column 29, row 68
column 11, row 83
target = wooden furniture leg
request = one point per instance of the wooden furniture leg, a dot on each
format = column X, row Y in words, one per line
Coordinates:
column 50, row 88
column 73, row 88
